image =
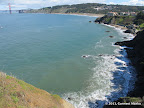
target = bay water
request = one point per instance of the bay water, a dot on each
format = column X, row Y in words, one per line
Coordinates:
column 66, row 55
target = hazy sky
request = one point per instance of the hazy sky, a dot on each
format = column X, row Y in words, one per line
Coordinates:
column 34, row 4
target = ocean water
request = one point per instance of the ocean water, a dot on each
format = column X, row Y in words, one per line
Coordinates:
column 46, row 50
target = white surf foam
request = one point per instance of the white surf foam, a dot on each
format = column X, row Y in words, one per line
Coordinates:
column 99, row 44
column 109, row 82
column 113, row 77
column 121, row 32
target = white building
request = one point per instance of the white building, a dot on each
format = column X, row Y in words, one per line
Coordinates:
column 133, row 13
column 112, row 14
column 128, row 13
column 122, row 13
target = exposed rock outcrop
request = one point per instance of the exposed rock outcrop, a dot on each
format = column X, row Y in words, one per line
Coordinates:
column 130, row 31
column 119, row 21
column 136, row 55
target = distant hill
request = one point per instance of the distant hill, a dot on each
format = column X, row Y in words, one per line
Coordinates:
column 94, row 8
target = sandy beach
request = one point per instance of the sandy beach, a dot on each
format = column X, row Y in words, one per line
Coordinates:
column 83, row 14
column 118, row 26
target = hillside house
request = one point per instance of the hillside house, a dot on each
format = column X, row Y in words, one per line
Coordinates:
column 133, row 13
column 99, row 8
column 122, row 13
column 112, row 14
column 127, row 13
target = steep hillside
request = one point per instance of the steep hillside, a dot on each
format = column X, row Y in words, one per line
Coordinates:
column 15, row 93
column 132, row 23
column 119, row 20
column 136, row 55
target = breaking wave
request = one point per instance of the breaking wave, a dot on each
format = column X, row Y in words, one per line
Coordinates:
column 113, row 77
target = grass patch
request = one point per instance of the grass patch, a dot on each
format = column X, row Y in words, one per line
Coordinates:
column 57, row 97
column 1, row 94
column 21, row 107
column 54, row 107
column 108, row 19
column 134, row 99
column 25, row 85
column 10, row 105
column 21, row 83
column 142, row 26
column 8, row 77
column 120, row 20
column 131, row 99
column 15, row 99
column 131, row 16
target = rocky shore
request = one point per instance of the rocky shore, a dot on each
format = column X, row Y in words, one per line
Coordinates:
column 125, row 23
column 135, row 51
column 136, row 55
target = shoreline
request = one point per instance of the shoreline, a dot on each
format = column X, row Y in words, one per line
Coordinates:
column 134, row 74
column 136, row 92
column 126, row 61
column 122, row 28
column 78, row 14
column 81, row 14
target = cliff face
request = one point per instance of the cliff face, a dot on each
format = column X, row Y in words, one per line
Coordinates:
column 16, row 93
column 136, row 55
column 120, row 20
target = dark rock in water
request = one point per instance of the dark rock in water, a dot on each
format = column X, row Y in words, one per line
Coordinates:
column 119, row 43
column 124, row 43
column 107, row 31
column 85, row 56
column 69, row 98
column 90, row 21
column 125, row 37
column 111, row 36
column 129, row 31
column 100, row 55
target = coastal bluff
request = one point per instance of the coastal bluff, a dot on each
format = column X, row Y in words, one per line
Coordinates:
column 135, row 51
column 15, row 93
column 136, row 55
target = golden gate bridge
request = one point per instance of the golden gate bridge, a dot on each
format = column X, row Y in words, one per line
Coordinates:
column 9, row 7
column 18, row 11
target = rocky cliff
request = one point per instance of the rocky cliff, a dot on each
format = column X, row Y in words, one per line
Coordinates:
column 123, row 21
column 119, row 20
column 136, row 55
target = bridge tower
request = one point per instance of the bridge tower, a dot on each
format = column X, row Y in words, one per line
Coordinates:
column 10, row 8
